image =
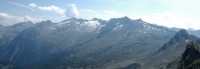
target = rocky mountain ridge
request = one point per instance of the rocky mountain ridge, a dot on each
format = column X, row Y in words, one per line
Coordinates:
column 90, row 44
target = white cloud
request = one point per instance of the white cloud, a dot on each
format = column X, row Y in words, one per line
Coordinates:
column 32, row 5
column 72, row 11
column 171, row 20
column 6, row 19
column 53, row 9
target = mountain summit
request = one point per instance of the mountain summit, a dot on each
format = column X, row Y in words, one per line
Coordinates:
column 181, row 35
column 179, row 38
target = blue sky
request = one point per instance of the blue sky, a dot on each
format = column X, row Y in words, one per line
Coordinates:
column 170, row 13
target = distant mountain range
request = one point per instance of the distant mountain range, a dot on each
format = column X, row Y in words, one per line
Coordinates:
column 118, row 43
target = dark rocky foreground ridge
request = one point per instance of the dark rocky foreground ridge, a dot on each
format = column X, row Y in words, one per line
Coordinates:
column 119, row 43
column 191, row 56
column 170, row 52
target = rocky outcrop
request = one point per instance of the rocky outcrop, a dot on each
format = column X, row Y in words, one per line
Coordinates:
column 8, row 65
column 133, row 66
column 191, row 57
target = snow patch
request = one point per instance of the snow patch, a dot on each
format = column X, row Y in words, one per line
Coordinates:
column 125, row 35
column 93, row 24
column 118, row 27
column 186, row 40
column 102, row 26
column 118, row 23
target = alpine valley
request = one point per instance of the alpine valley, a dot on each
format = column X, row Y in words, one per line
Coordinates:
column 118, row 43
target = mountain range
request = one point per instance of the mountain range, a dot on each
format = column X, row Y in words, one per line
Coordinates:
column 118, row 43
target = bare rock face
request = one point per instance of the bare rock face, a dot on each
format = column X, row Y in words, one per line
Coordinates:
column 8, row 65
column 190, row 58
column 133, row 66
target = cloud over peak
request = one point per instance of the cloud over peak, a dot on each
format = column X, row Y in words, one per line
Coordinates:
column 72, row 11
column 6, row 19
